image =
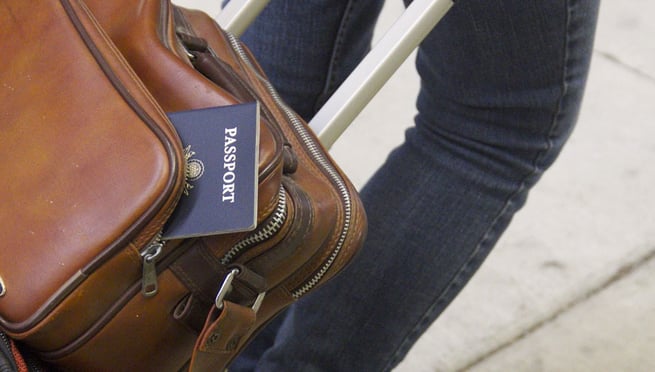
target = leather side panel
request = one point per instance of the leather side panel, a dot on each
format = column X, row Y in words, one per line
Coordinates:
column 139, row 338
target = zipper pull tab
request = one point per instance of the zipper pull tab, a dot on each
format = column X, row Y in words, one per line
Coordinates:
column 149, row 285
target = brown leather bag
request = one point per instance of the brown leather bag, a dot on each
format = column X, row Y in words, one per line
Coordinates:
column 92, row 169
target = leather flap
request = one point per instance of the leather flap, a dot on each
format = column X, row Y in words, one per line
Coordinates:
column 145, row 32
column 89, row 163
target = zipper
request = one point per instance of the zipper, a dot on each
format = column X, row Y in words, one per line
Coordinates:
column 7, row 350
column 318, row 155
column 274, row 224
column 5, row 339
column 149, row 256
column 6, row 353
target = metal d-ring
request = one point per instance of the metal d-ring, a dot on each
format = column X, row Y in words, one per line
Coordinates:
column 226, row 287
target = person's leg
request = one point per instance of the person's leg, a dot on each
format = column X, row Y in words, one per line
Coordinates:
column 307, row 48
column 502, row 82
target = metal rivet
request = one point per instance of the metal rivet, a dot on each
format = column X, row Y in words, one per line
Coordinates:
column 3, row 289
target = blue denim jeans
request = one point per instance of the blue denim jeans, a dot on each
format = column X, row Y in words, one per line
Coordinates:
column 501, row 86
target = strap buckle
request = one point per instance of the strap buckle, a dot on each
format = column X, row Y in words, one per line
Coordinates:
column 226, row 287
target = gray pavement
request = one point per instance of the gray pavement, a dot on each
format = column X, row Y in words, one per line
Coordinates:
column 570, row 286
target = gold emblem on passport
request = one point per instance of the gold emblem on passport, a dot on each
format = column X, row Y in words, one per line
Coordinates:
column 195, row 168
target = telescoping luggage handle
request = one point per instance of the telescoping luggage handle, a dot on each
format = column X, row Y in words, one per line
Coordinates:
column 373, row 71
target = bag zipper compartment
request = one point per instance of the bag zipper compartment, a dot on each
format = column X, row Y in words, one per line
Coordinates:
column 304, row 137
column 319, row 157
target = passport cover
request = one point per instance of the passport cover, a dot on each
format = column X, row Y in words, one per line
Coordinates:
column 222, row 147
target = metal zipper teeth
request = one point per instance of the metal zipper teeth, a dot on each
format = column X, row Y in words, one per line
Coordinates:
column 274, row 225
column 154, row 242
column 30, row 365
column 318, row 155
column 5, row 340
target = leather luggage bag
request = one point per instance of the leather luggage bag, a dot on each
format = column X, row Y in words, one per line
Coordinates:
column 93, row 169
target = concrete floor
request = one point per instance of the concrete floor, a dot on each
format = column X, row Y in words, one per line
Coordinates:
column 570, row 286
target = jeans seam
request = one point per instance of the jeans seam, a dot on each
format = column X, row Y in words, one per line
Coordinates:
column 455, row 282
column 334, row 58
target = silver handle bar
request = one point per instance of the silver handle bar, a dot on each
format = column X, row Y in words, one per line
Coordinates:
column 373, row 71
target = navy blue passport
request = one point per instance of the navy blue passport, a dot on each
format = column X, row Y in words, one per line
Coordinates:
column 222, row 148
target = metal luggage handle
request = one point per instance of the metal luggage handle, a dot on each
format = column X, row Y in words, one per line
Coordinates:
column 373, row 71
column 237, row 15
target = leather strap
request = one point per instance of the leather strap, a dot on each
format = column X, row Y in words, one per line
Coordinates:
column 224, row 331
